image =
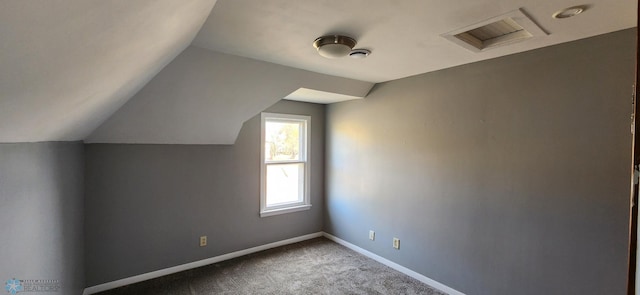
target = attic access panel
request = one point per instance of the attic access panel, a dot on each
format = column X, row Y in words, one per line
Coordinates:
column 508, row 28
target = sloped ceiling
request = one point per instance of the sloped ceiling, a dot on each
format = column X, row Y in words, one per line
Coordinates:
column 67, row 65
column 203, row 97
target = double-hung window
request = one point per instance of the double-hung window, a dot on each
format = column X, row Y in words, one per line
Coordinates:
column 285, row 164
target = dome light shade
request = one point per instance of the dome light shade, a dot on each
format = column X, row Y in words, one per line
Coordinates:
column 334, row 46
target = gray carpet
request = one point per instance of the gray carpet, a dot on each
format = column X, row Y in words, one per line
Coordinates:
column 317, row 266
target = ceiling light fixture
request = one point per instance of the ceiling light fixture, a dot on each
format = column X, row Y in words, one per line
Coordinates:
column 569, row 12
column 334, row 46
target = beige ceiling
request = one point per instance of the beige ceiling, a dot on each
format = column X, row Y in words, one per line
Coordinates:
column 404, row 35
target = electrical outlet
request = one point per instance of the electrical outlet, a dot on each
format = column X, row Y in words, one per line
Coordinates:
column 396, row 243
column 203, row 241
column 372, row 235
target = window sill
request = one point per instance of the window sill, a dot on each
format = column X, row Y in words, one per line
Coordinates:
column 272, row 212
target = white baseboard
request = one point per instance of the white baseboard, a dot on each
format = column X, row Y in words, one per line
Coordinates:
column 398, row 267
column 199, row 263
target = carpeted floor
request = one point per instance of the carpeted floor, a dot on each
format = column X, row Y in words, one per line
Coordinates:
column 317, row 266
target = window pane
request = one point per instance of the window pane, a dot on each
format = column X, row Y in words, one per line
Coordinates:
column 285, row 183
column 282, row 141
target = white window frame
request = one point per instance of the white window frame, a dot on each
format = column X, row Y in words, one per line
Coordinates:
column 305, row 149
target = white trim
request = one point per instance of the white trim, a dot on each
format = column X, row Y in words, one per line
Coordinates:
column 195, row 264
column 216, row 259
column 305, row 149
column 271, row 212
column 398, row 267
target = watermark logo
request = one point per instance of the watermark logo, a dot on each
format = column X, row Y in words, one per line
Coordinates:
column 14, row 286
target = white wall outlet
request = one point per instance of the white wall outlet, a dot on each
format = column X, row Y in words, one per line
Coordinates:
column 396, row 243
column 372, row 235
column 203, row 241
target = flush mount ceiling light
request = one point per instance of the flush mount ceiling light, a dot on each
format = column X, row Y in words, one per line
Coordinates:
column 334, row 46
column 569, row 12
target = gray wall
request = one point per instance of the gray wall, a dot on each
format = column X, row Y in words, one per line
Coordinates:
column 41, row 213
column 203, row 97
column 508, row 176
column 147, row 205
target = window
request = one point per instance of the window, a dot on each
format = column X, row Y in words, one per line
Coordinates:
column 285, row 164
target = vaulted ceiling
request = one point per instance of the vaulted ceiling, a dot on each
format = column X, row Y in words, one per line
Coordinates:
column 68, row 65
column 124, row 71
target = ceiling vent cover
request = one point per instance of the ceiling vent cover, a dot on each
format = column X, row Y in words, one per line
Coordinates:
column 498, row 31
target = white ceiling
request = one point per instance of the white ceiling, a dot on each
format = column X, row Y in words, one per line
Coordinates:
column 404, row 35
column 67, row 66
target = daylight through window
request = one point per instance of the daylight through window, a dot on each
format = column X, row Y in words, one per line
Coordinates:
column 285, row 165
